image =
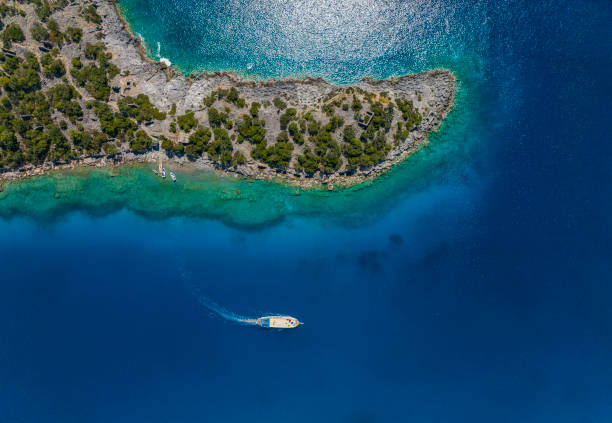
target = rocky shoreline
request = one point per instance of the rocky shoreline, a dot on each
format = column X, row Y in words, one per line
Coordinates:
column 431, row 93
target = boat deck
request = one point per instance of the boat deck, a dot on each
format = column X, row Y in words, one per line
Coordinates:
column 278, row 322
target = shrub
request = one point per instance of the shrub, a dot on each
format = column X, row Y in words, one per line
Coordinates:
column 8, row 141
column 62, row 150
column 140, row 108
column 277, row 155
column 55, row 35
column 94, row 51
column 238, row 158
column 166, row 144
column 73, row 110
column 24, row 79
column 83, row 141
column 216, row 118
column 187, row 122
column 52, row 66
column 410, row 115
column 74, row 34
column 140, row 142
column 287, row 117
column 254, row 110
column 94, row 79
column 13, row 32
column 91, row 15
column 334, row 123
column 61, row 93
column 198, row 142
column 110, row 149
column 210, row 100
column 279, row 104
column 252, row 130
column 221, row 148
column 43, row 11
column 352, row 148
column 39, row 32
column 308, row 162
column 113, row 124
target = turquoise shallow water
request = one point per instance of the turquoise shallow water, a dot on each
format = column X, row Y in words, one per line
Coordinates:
column 470, row 284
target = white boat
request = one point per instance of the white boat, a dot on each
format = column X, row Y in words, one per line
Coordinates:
column 173, row 176
column 163, row 173
column 278, row 322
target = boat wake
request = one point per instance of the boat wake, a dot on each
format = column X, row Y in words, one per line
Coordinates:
column 210, row 304
column 223, row 312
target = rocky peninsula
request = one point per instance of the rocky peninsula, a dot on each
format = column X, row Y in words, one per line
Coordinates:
column 78, row 90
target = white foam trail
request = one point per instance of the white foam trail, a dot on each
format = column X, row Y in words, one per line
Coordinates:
column 223, row 312
column 210, row 304
column 158, row 49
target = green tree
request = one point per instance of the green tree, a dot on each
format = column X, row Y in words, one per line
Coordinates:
column 221, row 148
column 216, row 118
column 13, row 32
column 279, row 104
column 39, row 32
column 308, row 162
column 91, row 15
column 252, row 130
column 187, row 121
column 198, row 142
column 140, row 108
column 141, row 142
column 254, row 110
column 94, row 79
column 287, row 117
column 74, row 34
column 23, row 80
column 55, row 35
column 52, row 66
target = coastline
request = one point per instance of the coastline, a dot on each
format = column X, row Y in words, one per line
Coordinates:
column 167, row 87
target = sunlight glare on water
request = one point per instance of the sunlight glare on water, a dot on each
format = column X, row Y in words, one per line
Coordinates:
column 341, row 40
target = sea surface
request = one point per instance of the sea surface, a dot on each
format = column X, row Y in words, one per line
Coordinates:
column 472, row 283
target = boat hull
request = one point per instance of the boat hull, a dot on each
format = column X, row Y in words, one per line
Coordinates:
column 278, row 322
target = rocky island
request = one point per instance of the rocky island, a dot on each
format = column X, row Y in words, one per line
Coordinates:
column 78, row 90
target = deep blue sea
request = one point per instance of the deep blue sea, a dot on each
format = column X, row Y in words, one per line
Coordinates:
column 471, row 284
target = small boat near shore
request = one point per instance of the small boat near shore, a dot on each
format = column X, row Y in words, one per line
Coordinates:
column 278, row 322
column 173, row 176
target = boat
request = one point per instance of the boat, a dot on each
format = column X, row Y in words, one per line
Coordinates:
column 173, row 176
column 163, row 173
column 278, row 322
